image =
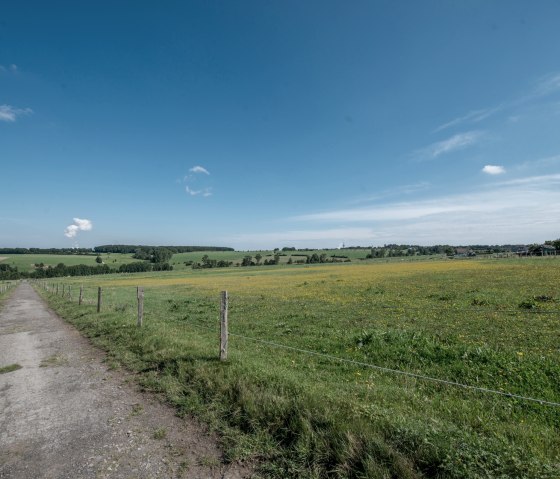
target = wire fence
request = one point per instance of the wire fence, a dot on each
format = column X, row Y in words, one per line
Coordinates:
column 113, row 299
column 6, row 286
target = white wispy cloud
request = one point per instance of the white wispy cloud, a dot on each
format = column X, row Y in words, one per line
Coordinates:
column 454, row 143
column 520, row 210
column 10, row 113
column 493, row 170
column 78, row 225
column 199, row 169
column 196, row 184
column 203, row 192
column 478, row 202
column 473, row 116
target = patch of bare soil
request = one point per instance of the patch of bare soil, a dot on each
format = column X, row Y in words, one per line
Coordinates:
column 64, row 414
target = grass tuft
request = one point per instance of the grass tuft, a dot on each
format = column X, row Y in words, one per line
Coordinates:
column 10, row 368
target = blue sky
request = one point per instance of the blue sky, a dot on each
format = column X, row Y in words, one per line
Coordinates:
column 260, row 124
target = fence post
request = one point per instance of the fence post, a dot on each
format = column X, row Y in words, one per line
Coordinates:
column 224, row 326
column 69, row 293
column 140, row 296
column 99, row 299
column 63, row 289
column 57, row 289
column 81, row 297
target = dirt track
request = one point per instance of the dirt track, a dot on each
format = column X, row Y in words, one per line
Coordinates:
column 65, row 415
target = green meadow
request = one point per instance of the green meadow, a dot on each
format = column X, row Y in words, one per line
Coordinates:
column 27, row 262
column 283, row 399
column 178, row 260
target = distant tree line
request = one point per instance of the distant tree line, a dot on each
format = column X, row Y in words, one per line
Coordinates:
column 127, row 249
column 309, row 259
column 123, row 248
column 42, row 271
column 78, row 251
column 9, row 272
column 153, row 254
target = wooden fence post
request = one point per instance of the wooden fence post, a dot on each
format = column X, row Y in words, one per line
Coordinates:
column 63, row 289
column 81, row 297
column 57, row 289
column 140, row 296
column 99, row 299
column 224, row 326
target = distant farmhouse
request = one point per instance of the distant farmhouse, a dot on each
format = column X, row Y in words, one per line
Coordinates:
column 462, row 252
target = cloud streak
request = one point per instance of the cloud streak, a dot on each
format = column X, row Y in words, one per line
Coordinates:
column 457, row 142
column 9, row 69
column 547, row 85
column 516, row 194
column 78, row 225
column 10, row 114
column 473, row 116
column 505, row 212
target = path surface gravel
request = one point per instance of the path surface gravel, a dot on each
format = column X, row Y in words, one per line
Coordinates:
column 64, row 414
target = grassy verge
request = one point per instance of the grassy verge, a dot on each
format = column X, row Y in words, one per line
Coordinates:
column 307, row 416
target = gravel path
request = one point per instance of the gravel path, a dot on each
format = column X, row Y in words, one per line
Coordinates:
column 65, row 415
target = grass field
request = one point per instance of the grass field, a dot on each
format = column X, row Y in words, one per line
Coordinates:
column 486, row 323
column 355, row 255
column 26, row 262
